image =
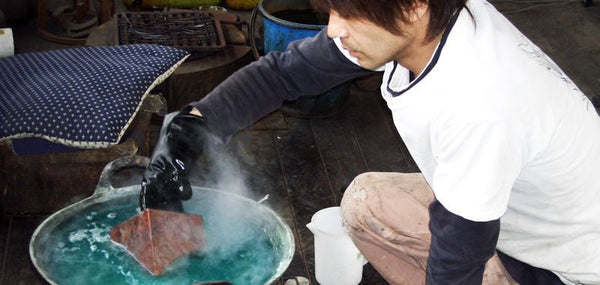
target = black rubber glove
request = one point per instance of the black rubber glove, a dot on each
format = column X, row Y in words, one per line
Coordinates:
column 181, row 142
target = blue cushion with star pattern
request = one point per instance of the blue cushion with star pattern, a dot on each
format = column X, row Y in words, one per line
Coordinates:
column 82, row 97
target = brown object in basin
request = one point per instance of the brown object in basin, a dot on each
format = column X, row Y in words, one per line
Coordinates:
column 156, row 238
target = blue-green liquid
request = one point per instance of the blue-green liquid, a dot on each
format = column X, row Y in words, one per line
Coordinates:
column 238, row 250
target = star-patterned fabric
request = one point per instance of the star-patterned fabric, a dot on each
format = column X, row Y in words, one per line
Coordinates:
column 81, row 97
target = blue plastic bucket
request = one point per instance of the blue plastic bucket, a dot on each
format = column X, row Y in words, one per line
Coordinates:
column 285, row 21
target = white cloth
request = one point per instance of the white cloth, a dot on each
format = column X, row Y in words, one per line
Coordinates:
column 499, row 131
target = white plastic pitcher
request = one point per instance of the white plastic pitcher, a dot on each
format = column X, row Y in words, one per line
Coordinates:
column 337, row 260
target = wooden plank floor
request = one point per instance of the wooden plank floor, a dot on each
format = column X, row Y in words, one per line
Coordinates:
column 304, row 164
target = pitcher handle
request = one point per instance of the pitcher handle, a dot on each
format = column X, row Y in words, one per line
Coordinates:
column 105, row 180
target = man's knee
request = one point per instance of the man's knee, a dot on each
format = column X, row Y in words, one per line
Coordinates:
column 355, row 205
column 354, row 201
column 387, row 197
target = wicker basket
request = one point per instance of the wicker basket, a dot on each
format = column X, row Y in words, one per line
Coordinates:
column 193, row 31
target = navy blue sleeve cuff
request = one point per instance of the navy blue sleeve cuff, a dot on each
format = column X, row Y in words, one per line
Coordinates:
column 459, row 247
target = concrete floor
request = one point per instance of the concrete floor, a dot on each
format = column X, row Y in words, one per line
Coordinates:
column 304, row 164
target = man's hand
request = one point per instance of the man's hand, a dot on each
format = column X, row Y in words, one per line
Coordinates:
column 181, row 142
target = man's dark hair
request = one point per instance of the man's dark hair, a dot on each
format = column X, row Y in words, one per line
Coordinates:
column 385, row 13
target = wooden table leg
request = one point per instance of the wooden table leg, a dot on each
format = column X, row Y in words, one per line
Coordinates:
column 106, row 10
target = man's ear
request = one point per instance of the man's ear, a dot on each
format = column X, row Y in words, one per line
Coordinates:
column 418, row 10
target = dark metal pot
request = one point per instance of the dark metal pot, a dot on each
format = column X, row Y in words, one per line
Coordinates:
column 247, row 243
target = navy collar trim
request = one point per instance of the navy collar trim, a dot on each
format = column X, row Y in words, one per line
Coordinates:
column 429, row 67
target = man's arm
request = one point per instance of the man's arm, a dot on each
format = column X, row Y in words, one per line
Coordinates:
column 308, row 67
column 459, row 247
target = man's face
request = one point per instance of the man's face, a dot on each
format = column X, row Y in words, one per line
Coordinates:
column 372, row 45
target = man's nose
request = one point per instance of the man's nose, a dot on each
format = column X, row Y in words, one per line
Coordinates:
column 336, row 26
